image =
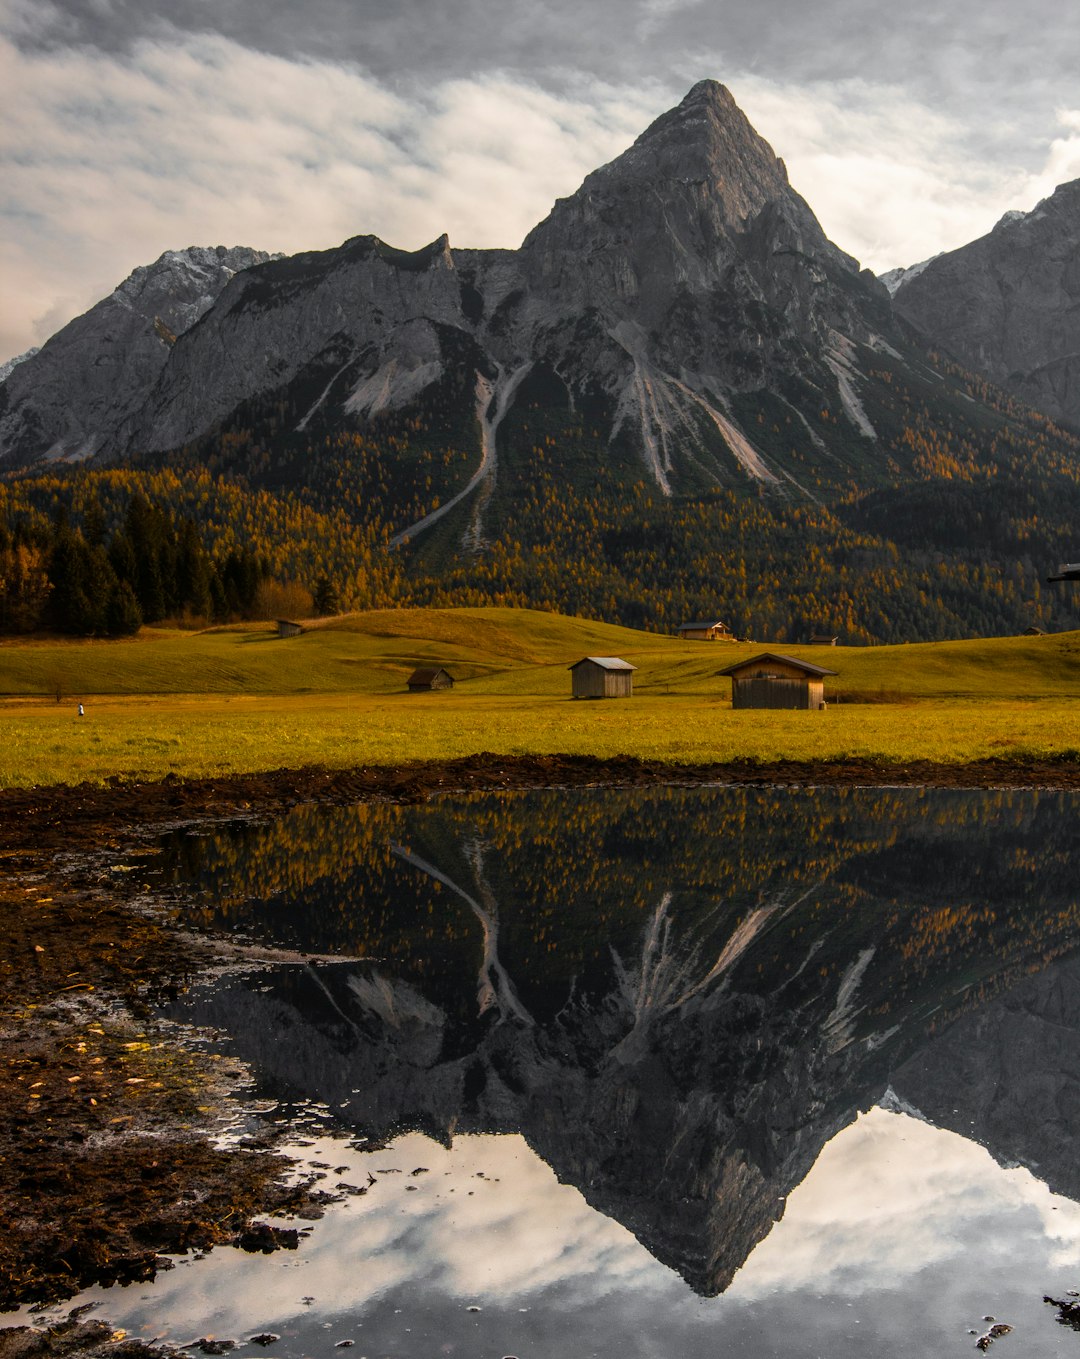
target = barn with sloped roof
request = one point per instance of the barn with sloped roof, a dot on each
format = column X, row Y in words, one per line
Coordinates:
column 602, row 677
column 430, row 677
column 774, row 681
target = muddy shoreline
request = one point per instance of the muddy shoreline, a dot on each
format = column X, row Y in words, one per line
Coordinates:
column 107, row 1118
column 62, row 817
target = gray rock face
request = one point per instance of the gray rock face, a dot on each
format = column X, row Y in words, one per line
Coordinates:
column 1008, row 304
column 701, row 273
column 683, row 272
column 375, row 309
column 70, row 398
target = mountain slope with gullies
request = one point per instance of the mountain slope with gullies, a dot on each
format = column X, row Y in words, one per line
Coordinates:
column 1008, row 304
column 676, row 399
column 684, row 273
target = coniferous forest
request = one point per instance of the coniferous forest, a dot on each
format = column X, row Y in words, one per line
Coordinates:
column 946, row 528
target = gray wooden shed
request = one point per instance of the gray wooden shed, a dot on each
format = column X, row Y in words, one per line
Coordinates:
column 430, row 677
column 774, row 681
column 287, row 629
column 602, row 677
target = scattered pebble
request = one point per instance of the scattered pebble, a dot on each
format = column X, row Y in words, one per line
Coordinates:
column 995, row 1332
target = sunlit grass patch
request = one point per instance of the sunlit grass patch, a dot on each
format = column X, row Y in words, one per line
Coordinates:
column 196, row 736
column 241, row 700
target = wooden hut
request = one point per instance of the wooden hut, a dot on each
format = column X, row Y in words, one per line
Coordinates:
column 602, row 677
column 1034, row 631
column 823, row 639
column 287, row 629
column 430, row 677
column 774, row 681
column 705, row 632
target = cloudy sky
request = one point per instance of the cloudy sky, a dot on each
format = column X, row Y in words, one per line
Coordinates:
column 129, row 127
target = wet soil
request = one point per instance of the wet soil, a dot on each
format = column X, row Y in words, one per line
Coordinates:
column 64, row 817
column 108, row 1117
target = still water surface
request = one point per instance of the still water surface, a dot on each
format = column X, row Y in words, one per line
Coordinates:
column 655, row 1072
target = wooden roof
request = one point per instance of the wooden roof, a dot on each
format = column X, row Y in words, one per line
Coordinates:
column 811, row 671
column 604, row 662
column 701, row 627
column 427, row 673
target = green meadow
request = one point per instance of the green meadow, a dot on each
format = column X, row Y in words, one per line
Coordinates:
column 241, row 700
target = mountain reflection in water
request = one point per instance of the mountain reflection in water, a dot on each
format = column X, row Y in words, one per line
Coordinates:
column 678, row 997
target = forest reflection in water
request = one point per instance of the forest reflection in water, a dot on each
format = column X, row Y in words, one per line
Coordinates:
column 677, row 996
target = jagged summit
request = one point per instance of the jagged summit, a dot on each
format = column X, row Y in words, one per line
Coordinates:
column 699, row 205
column 702, row 154
column 708, row 137
column 68, row 400
column 683, row 274
column 182, row 284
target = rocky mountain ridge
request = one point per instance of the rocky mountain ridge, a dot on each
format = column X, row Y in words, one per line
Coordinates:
column 684, row 271
column 67, row 399
column 1008, row 304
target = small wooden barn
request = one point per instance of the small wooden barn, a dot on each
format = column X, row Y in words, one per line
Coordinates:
column 823, row 639
column 430, row 677
column 287, row 629
column 705, row 632
column 1034, row 631
column 602, row 677
column 774, row 681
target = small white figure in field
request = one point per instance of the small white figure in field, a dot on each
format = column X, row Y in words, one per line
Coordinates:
column 80, row 710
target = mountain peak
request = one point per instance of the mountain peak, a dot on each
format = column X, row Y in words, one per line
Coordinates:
column 696, row 175
column 706, row 139
column 709, row 92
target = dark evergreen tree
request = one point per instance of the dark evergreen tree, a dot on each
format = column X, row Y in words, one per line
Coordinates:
column 122, row 615
column 326, row 597
column 82, row 581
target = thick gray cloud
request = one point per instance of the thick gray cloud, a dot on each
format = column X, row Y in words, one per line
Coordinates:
column 135, row 126
column 1008, row 64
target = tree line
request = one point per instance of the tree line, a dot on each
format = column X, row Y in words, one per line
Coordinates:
column 87, row 582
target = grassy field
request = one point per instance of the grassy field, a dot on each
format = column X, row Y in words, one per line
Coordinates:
column 241, row 700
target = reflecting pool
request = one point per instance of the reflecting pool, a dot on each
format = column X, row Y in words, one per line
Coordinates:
column 654, row 1072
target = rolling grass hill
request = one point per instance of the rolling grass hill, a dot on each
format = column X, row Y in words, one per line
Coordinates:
column 511, row 651
column 241, row 699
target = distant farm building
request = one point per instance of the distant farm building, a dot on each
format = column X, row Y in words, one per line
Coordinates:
column 1034, row 631
column 774, row 681
column 705, row 632
column 823, row 639
column 602, row 677
column 287, row 629
column 430, row 677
